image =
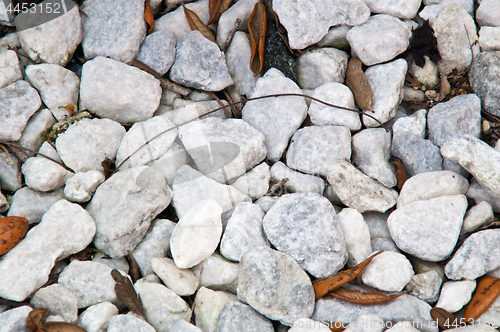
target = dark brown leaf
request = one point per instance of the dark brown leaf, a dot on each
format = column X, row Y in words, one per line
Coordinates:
column 196, row 24
column 148, row 16
column 400, row 172
column 216, row 8
column 62, row 327
column 357, row 81
column 257, row 25
column 125, row 292
column 12, row 231
column 359, row 297
column 487, row 290
column 133, row 268
column 337, row 326
column 36, row 318
column 445, row 319
column 322, row 287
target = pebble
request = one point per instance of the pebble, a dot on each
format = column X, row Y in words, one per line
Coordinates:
column 54, row 41
column 297, row 182
column 459, row 116
column 241, row 10
column 120, row 323
column 277, row 118
column 485, row 82
column 406, row 9
column 182, row 281
column 273, row 283
column 389, row 271
column 478, row 255
column 10, row 172
column 439, row 183
column 428, row 229
column 238, row 317
column 10, row 70
column 356, row 236
column 237, row 58
column 320, row 66
column 454, row 29
column 14, row 320
column 34, row 134
column 377, row 224
column 200, row 64
column 387, row 81
column 208, row 307
column 65, row 229
column 57, row 85
column 81, row 186
column 304, row 30
column 254, row 183
column 367, row 39
column 168, row 164
column 183, row 326
column 479, row 215
column 488, row 14
column 197, row 234
column 243, row 231
column 106, row 85
column 383, row 243
column 428, row 74
column 32, row 204
column 489, row 38
column 162, row 306
column 191, row 187
column 158, row 51
column 359, row 191
column 58, row 300
column 266, row 202
column 421, row 266
column 156, row 243
column 415, row 123
column 305, row 226
column 96, row 318
column 425, row 286
column 371, row 150
column 223, row 149
column 456, row 294
column 403, row 308
column 123, row 207
column 336, row 94
column 312, row 149
column 478, row 158
column 217, row 273
column 336, row 36
column 478, row 194
column 366, row 323
column 18, row 102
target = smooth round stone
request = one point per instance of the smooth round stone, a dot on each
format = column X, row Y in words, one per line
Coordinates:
column 456, row 294
column 389, row 272
column 356, row 235
column 95, row 318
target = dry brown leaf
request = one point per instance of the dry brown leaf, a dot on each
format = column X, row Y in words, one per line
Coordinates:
column 70, row 108
column 400, row 172
column 36, row 318
column 148, row 16
column 357, row 81
column 487, row 290
column 444, row 88
column 12, row 231
column 359, row 297
column 322, row 287
column 257, row 25
column 196, row 24
column 445, row 319
column 62, row 327
column 125, row 292
column 337, row 327
column 134, row 269
column 36, row 323
column 216, row 8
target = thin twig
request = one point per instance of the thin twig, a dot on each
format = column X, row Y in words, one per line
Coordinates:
column 230, row 36
column 17, row 146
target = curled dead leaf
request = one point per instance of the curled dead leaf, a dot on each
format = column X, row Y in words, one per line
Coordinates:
column 36, row 318
column 487, row 290
column 337, row 327
column 196, row 24
column 400, row 172
column 257, row 25
column 357, row 81
column 126, row 294
column 36, row 323
column 359, row 297
column 70, row 108
column 148, row 16
column 444, row 88
column 445, row 319
column 12, row 231
column 216, row 8
column 322, row 287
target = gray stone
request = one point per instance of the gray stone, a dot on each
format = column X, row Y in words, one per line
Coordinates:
column 489, row 38
column 156, row 243
column 425, row 286
column 80, row 146
column 113, row 29
column 120, row 323
column 237, row 58
column 371, row 149
column 478, row 255
column 31, row 204
column 478, row 194
column 387, row 82
column 307, row 22
column 14, row 320
column 305, row 226
column 415, row 124
column 10, row 171
column 356, row 236
column 313, row 149
column 200, row 64
column 336, row 94
column 182, row 281
column 382, row 243
column 459, row 116
column 377, row 224
column 367, row 39
column 217, row 273
column 34, row 134
column 238, row 317
column 54, row 41
column 254, row 183
column 277, row 118
column 273, row 283
column 208, row 305
column 241, row 11
column 183, row 326
column 320, row 66
column 158, row 51
column 266, row 202
column 485, row 82
column 106, row 86
column 455, row 294
column 479, row 215
column 58, row 301
column 64, row 230
column 18, row 102
column 488, row 14
column 57, row 85
column 335, row 37
column 389, row 271
column 396, row 8
column 96, row 317
column 81, row 186
column 297, row 182
column 359, row 191
column 10, row 70
column 428, row 229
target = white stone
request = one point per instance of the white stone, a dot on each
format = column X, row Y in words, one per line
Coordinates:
column 217, row 273
column 320, row 66
column 477, row 216
column 158, row 51
column 237, row 316
column 34, row 134
column 425, row 286
column 415, row 124
column 367, row 39
column 238, row 58
column 403, row 326
column 58, row 300
column 182, row 281
column 308, row 325
column 366, row 323
column 176, row 22
column 32, row 204
column 57, row 85
column 86, row 143
column 10, row 70
column 356, row 236
column 14, row 320
column 336, row 94
column 120, row 323
column 297, row 182
column 491, row 316
column 456, row 294
column 227, row 21
column 489, row 38
column 488, row 13
column 336, row 36
column 478, row 194
column 389, row 272
column 96, row 318
column 81, row 186
column 254, row 183
column 208, row 306
column 396, row 8
column 107, row 87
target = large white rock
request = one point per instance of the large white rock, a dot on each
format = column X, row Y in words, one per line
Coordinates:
column 396, row 8
column 389, row 272
column 32, row 204
column 356, row 235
